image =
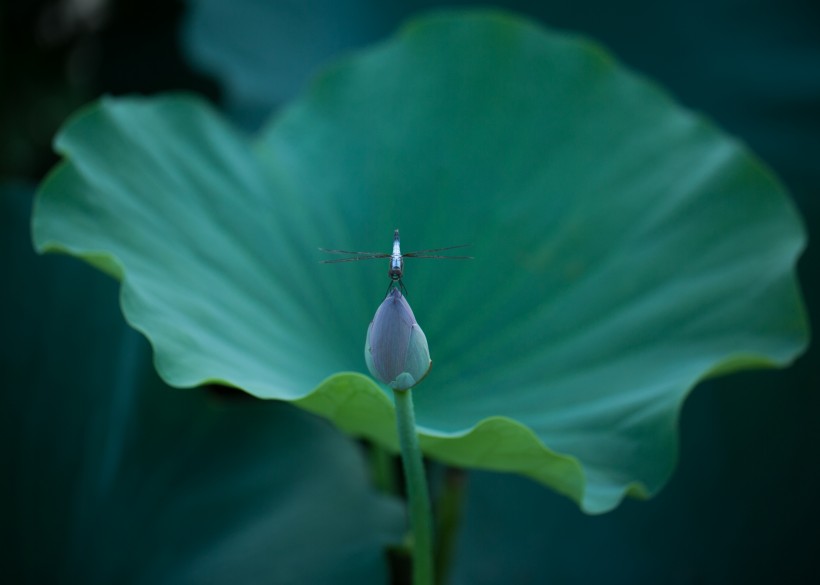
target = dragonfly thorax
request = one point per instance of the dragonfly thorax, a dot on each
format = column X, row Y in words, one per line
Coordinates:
column 396, row 267
column 396, row 260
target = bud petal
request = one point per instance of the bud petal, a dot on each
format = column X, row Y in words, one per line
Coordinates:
column 396, row 349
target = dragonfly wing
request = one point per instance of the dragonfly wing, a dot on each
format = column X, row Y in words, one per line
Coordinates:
column 355, row 256
column 441, row 257
column 352, row 253
column 426, row 253
column 354, row 259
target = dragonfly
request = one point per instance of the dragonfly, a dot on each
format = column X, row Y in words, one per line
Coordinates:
column 396, row 270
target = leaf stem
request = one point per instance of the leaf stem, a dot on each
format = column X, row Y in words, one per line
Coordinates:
column 383, row 470
column 448, row 514
column 417, row 494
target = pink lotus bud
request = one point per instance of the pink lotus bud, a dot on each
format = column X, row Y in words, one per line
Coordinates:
column 396, row 349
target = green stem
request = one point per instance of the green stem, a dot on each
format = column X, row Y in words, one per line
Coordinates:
column 448, row 513
column 419, row 498
column 382, row 468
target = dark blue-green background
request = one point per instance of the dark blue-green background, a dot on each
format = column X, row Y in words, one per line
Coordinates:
column 741, row 507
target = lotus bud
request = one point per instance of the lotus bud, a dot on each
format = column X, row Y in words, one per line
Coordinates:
column 396, row 349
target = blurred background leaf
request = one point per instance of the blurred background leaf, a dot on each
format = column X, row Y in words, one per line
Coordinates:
column 265, row 52
column 116, row 478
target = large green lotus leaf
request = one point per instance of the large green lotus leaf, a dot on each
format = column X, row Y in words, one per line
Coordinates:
column 624, row 248
column 112, row 477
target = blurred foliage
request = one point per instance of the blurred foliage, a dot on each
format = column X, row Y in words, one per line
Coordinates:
column 56, row 55
column 117, row 478
column 741, row 506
